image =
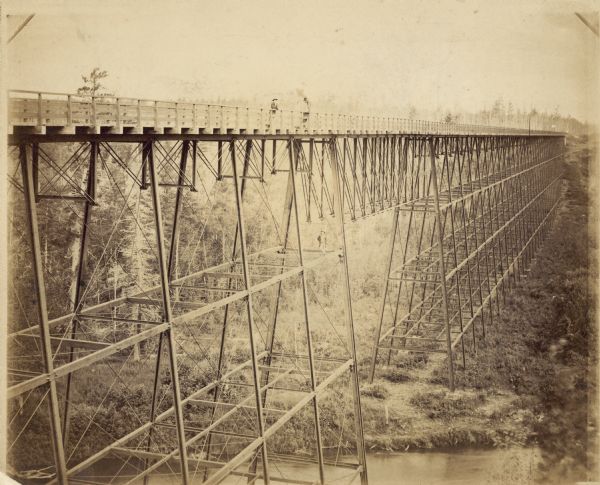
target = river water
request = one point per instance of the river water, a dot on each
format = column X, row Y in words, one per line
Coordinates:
column 515, row 466
column 466, row 467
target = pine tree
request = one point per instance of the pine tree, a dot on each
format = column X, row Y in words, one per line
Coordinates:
column 92, row 85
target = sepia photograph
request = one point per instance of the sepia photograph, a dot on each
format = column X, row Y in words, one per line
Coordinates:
column 299, row 242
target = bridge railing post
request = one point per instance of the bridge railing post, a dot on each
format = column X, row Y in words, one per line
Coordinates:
column 118, row 115
column 140, row 129
column 94, row 114
column 39, row 111
column 261, row 122
column 209, row 121
column 69, row 111
column 155, row 115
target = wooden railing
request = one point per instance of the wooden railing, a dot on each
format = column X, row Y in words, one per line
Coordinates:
column 66, row 113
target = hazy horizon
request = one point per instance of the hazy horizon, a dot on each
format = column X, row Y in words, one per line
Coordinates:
column 460, row 55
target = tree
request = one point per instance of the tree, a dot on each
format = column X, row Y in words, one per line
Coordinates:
column 510, row 111
column 92, row 85
column 498, row 110
column 412, row 112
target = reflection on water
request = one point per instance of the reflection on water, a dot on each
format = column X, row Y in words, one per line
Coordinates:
column 514, row 466
column 465, row 467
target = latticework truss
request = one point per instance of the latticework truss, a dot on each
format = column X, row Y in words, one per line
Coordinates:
column 472, row 212
column 222, row 340
column 174, row 331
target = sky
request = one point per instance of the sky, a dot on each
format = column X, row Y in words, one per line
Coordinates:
column 381, row 54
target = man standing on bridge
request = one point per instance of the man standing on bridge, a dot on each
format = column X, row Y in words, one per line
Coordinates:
column 272, row 112
column 306, row 111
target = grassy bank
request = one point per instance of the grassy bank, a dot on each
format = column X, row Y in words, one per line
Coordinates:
column 531, row 379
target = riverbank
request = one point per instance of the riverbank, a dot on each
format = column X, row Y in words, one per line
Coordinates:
column 531, row 379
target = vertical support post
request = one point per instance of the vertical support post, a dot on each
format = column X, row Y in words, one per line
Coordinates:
column 440, row 237
column 475, row 200
column 221, row 358
column 145, row 150
column 321, row 195
column 309, row 347
column 287, row 211
column 366, row 171
column 270, row 340
column 40, row 287
column 355, row 178
column 386, row 284
column 360, row 442
column 398, row 296
column 154, row 403
column 194, row 164
column 167, row 316
column 263, row 147
column 246, row 273
column 185, row 147
column 311, row 150
column 35, row 157
column 87, row 214
column 219, row 160
column 450, row 209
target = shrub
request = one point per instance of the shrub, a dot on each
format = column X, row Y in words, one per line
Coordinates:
column 377, row 391
column 395, row 375
column 445, row 405
column 411, row 360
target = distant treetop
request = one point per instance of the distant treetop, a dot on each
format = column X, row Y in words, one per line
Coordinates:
column 92, row 85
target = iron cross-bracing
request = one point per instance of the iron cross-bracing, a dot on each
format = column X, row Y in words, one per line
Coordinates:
column 180, row 335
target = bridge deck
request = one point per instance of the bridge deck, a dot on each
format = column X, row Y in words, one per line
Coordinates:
column 40, row 113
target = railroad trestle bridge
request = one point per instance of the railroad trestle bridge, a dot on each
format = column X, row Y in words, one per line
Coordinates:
column 469, row 206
